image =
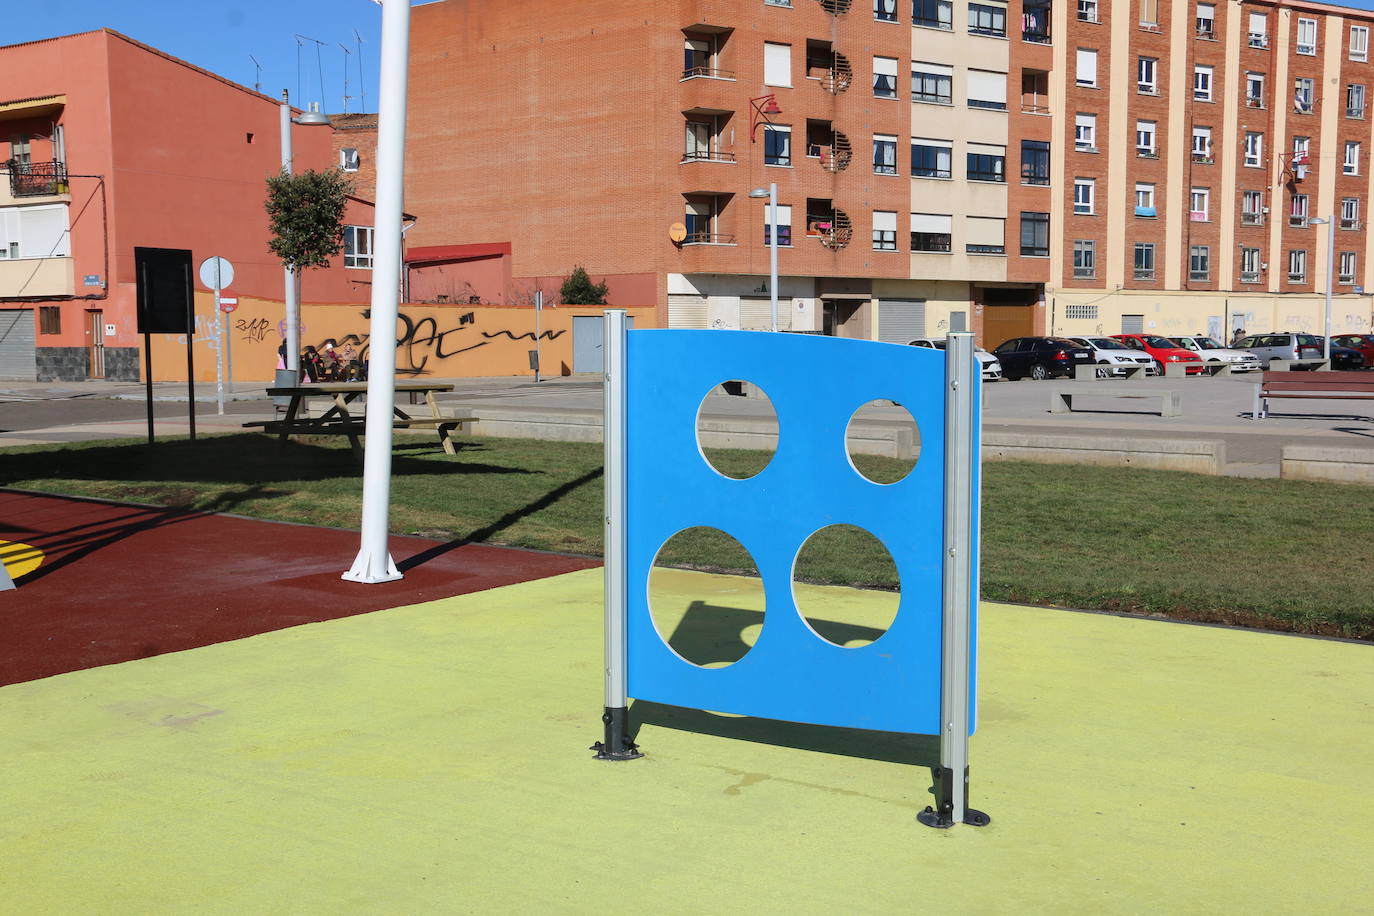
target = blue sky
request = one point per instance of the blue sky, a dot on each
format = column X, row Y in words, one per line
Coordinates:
column 219, row 35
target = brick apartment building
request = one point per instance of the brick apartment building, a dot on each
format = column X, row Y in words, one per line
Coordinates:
column 107, row 144
column 544, row 135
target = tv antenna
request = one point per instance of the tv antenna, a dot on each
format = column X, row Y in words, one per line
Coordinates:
column 319, row 63
column 257, row 74
column 346, row 96
column 362, row 81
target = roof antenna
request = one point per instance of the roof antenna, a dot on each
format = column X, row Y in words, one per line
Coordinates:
column 346, row 96
column 257, row 74
column 362, row 82
column 319, row 62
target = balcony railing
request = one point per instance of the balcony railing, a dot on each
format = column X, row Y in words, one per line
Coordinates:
column 707, row 155
column 708, row 72
column 37, row 179
column 702, row 237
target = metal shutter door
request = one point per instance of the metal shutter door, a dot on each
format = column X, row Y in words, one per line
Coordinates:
column 901, row 320
column 756, row 314
column 16, row 345
column 686, row 311
column 1132, row 324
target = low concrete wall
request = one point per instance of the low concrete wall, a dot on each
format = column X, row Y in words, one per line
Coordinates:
column 1346, row 465
column 1199, row 457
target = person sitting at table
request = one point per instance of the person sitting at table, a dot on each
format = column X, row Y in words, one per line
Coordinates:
column 329, row 362
column 310, row 365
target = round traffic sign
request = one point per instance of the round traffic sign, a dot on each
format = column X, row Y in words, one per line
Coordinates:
column 216, row 273
column 227, row 307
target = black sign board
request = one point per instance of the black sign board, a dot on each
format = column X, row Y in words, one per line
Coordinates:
column 164, row 290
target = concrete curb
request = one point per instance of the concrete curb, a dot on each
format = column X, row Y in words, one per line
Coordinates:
column 1196, row 456
column 1343, row 465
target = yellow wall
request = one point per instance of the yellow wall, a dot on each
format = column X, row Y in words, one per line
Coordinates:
column 1187, row 313
column 433, row 341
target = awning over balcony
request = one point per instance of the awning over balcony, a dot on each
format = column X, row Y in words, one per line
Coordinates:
column 40, row 107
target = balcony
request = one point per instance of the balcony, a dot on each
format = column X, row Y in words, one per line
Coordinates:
column 1251, row 218
column 707, row 155
column 707, row 237
column 831, row 68
column 37, row 179
column 828, row 224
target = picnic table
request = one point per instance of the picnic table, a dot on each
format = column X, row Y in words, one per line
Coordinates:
column 339, row 419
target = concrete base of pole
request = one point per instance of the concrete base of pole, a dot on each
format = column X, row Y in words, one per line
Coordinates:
column 370, row 568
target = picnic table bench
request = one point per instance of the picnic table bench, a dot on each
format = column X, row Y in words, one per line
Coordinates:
column 1325, row 386
column 339, row 420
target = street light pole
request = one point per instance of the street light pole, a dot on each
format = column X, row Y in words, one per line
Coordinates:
column 293, row 323
column 1330, row 224
column 772, row 195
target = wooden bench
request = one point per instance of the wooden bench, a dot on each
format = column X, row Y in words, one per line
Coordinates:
column 1061, row 399
column 445, row 426
column 1322, row 386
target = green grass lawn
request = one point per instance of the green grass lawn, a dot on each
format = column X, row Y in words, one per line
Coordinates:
column 1284, row 555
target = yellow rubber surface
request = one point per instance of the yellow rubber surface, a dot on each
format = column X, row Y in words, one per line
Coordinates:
column 19, row 559
column 434, row 759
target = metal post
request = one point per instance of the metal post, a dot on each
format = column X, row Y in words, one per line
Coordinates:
column 538, row 311
column 6, row 583
column 1330, row 277
column 293, row 317
column 219, row 348
column 148, row 376
column 190, row 355
column 773, row 255
column 616, row 744
column 960, row 586
column 374, row 563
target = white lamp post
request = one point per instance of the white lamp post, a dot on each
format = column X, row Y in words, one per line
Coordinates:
column 293, row 312
column 1330, row 224
column 771, row 192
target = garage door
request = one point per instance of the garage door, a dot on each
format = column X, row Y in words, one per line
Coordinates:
column 901, row 320
column 16, row 345
column 756, row 314
column 687, row 311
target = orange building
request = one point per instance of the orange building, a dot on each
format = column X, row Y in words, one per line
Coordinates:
column 108, row 145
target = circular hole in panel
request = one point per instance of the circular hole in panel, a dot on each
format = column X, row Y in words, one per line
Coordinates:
column 883, row 441
column 846, row 586
column 737, row 429
column 706, row 597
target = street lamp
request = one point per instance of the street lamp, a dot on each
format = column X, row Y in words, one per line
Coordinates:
column 771, row 192
column 313, row 117
column 1330, row 224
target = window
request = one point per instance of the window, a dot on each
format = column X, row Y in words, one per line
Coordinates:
column 1249, row 265
column 1301, row 147
column 885, row 77
column 357, row 247
column 1202, row 144
column 1087, row 67
column 931, row 232
column 699, row 56
column 1252, row 208
column 1035, row 234
column 1359, row 42
column 1206, row 20
column 930, row 158
column 1085, row 132
column 987, row 89
column 1259, row 30
column 986, row 235
column 1350, row 162
column 1307, row 36
column 885, row 156
column 1146, row 69
column 784, row 223
column 1297, row 211
column 777, row 64
column 1035, row 162
column 1087, row 11
column 933, row 14
column 1254, row 90
column 984, row 19
column 1145, row 200
column 1199, row 201
column 1144, row 261
column 1084, row 259
column 986, row 162
column 1354, row 100
column 34, row 232
column 1081, row 312
column 1350, row 213
column 1083, row 189
column 1297, row 266
column 1345, row 270
column 1035, row 21
column 49, row 319
column 348, row 159
column 1302, row 94
column 884, row 230
column 931, row 83
column 700, row 218
column 1254, row 149
column 1145, row 139
column 20, row 150
column 1202, row 83
column 1149, row 14
column 885, row 10
column 700, row 141
column 1199, row 262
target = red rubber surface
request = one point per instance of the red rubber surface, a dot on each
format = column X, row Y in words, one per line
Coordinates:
column 123, row 582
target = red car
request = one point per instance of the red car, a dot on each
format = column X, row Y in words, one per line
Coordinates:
column 1163, row 351
column 1362, row 342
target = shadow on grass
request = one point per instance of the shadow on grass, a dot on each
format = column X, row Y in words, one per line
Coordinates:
column 713, row 634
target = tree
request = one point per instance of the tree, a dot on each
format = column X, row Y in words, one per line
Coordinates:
column 578, row 289
column 306, row 215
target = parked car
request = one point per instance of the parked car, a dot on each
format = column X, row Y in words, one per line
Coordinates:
column 1213, row 352
column 1162, row 350
column 992, row 369
column 1109, row 352
column 1345, row 358
column 1362, row 342
column 1041, row 357
column 1285, row 345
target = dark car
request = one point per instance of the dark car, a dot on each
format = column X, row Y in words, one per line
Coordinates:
column 1041, row 357
column 1362, row 342
column 1346, row 358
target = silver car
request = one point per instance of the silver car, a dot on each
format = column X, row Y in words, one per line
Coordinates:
column 1285, row 345
column 1213, row 352
column 1108, row 351
column 992, row 369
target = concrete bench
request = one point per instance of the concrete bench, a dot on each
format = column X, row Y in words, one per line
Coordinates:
column 1061, row 399
column 1084, row 373
column 1295, row 365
